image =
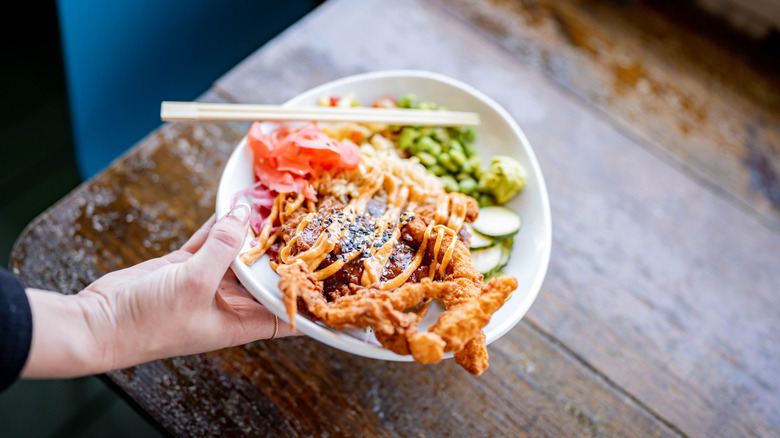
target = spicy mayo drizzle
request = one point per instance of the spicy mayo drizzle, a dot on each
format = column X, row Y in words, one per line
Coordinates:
column 403, row 197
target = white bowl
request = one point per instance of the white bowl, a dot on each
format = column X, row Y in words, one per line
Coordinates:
column 497, row 134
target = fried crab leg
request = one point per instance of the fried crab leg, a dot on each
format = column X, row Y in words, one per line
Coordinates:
column 468, row 309
column 368, row 306
column 468, row 305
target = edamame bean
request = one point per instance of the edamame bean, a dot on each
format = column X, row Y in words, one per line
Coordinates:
column 407, row 137
column 458, row 157
column 455, row 145
column 485, row 199
column 450, row 184
column 437, row 170
column 441, row 134
column 447, row 152
column 424, row 144
column 426, row 158
column 467, row 186
column 446, row 161
column 407, row 101
column 426, row 105
column 470, row 149
column 468, row 134
column 476, row 164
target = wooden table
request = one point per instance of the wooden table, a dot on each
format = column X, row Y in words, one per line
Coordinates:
column 659, row 313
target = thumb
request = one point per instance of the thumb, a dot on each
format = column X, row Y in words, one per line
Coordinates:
column 222, row 245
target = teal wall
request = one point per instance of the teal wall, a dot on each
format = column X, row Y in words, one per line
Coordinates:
column 122, row 58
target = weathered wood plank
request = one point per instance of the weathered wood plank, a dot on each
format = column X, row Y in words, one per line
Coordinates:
column 657, row 283
column 298, row 386
column 147, row 203
column 684, row 83
column 656, row 280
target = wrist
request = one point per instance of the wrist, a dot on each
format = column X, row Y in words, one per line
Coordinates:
column 120, row 335
column 63, row 345
column 101, row 329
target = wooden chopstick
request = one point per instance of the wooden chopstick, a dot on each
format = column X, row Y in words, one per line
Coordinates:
column 184, row 111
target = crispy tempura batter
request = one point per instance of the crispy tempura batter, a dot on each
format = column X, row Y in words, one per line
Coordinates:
column 375, row 249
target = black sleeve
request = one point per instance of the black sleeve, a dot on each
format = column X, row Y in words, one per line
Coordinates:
column 15, row 328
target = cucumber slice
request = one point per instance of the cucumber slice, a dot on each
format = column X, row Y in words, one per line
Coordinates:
column 496, row 221
column 506, row 250
column 506, row 247
column 478, row 241
column 487, row 259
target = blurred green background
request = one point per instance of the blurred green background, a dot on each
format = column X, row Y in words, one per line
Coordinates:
column 45, row 107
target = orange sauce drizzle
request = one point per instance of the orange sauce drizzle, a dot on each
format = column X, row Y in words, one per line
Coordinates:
column 402, row 198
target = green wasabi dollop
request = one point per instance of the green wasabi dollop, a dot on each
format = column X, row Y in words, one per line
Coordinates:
column 504, row 178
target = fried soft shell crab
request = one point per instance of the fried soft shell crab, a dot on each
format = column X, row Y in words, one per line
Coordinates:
column 376, row 245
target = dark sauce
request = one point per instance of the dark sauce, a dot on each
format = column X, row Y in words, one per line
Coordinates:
column 362, row 234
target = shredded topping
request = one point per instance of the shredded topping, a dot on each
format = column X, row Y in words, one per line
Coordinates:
column 369, row 240
column 380, row 197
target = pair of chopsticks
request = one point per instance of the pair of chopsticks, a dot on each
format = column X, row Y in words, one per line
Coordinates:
column 184, row 111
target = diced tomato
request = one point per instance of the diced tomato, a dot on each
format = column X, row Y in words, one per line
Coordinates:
column 356, row 136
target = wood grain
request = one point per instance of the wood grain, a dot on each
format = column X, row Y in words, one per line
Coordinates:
column 145, row 204
column 657, row 280
column 657, row 317
column 685, row 84
column 297, row 387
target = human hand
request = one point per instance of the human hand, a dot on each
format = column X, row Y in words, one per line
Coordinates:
column 185, row 302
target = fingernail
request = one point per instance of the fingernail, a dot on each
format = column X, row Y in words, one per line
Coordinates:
column 240, row 212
